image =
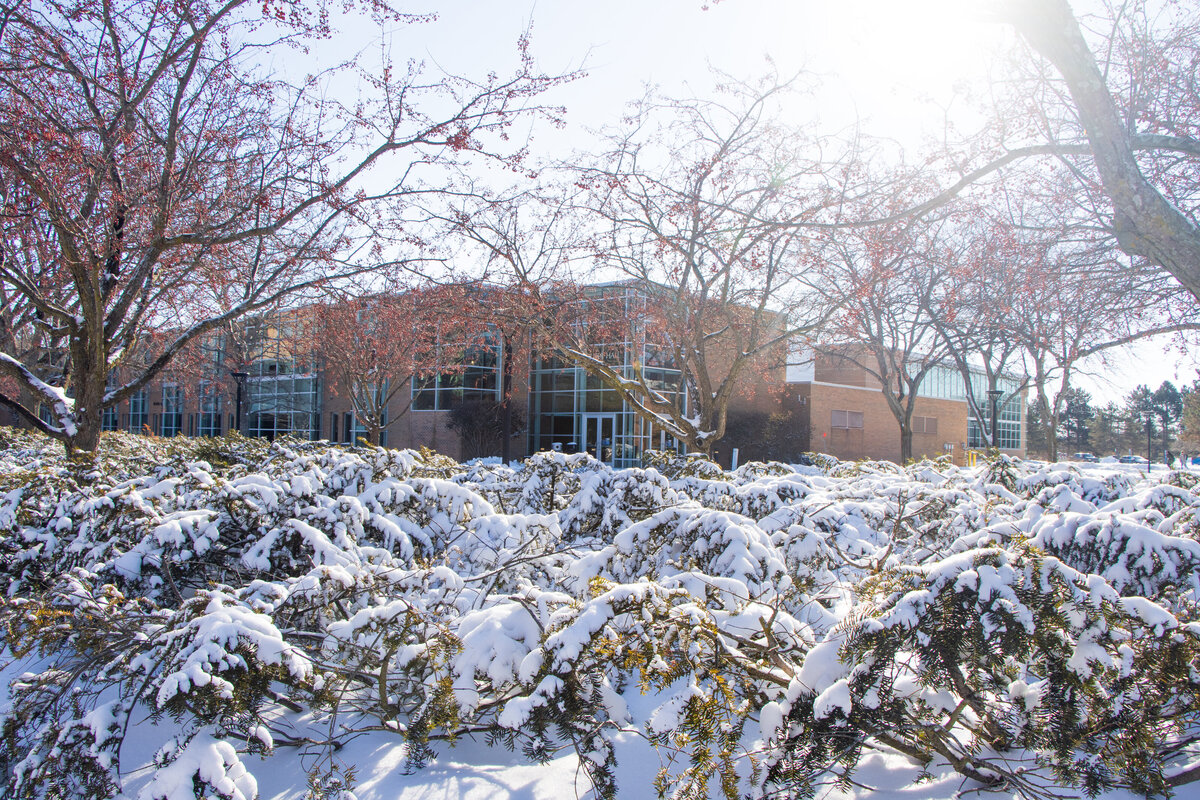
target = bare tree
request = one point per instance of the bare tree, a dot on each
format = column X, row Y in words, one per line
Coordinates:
column 150, row 173
column 884, row 278
column 1072, row 307
column 1032, row 285
column 984, row 264
column 700, row 205
column 374, row 348
column 1116, row 101
column 524, row 239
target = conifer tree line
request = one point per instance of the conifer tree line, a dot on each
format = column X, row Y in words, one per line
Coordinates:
column 1172, row 415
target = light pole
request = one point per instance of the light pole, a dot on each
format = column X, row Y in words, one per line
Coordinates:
column 994, row 401
column 1149, row 439
column 238, row 377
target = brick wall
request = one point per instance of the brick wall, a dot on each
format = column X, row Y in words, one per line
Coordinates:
column 879, row 437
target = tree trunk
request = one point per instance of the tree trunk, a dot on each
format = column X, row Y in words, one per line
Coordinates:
column 1146, row 223
column 87, row 435
column 906, row 439
column 89, row 377
column 712, row 420
column 1049, row 418
column 506, row 403
column 1050, row 431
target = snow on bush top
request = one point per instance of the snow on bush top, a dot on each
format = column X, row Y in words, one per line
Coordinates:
column 936, row 610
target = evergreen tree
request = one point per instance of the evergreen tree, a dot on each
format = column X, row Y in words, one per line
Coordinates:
column 1167, row 404
column 1076, row 418
column 1035, row 432
column 1189, row 418
column 1140, row 411
column 1107, row 430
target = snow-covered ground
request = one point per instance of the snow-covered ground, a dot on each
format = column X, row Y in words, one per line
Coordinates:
column 237, row 619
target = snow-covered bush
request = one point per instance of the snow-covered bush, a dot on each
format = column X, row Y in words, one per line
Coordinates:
column 780, row 622
column 993, row 649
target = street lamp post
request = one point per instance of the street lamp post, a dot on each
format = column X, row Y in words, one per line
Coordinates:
column 238, row 377
column 1149, row 439
column 994, row 401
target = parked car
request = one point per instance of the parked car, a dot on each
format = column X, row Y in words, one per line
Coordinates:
column 1141, row 462
column 1085, row 457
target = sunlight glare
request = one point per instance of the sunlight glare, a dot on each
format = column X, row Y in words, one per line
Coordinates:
column 889, row 58
column 917, row 44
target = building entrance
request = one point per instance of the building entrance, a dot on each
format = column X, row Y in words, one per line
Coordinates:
column 598, row 433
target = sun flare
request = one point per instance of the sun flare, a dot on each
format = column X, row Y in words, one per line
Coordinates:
column 882, row 60
column 923, row 43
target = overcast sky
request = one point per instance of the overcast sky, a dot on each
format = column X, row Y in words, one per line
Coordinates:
column 892, row 66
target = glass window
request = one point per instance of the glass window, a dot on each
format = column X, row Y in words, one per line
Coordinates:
column 110, row 419
column 352, row 430
column 1008, row 421
column 210, row 409
column 566, row 404
column 943, row 381
column 846, row 419
column 138, row 419
column 275, row 406
column 477, row 379
column 171, row 421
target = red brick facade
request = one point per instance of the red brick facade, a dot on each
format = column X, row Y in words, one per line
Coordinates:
column 848, row 416
column 836, row 407
column 879, row 436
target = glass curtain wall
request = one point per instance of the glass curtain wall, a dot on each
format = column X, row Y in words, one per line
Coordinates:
column 477, row 378
column 1008, row 422
column 110, row 418
column 138, row 418
column 1008, row 415
column 171, row 421
column 281, row 396
column 573, row 411
column 210, row 409
column 278, row 405
column 947, row 383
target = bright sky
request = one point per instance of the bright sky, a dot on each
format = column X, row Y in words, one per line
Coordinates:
column 1150, row 363
column 892, row 65
column 880, row 56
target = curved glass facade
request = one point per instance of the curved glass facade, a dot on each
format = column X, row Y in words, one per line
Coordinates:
column 573, row 411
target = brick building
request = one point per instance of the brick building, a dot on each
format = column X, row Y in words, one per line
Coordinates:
column 843, row 408
column 267, row 379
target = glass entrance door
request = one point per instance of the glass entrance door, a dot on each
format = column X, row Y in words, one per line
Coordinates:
column 598, row 432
